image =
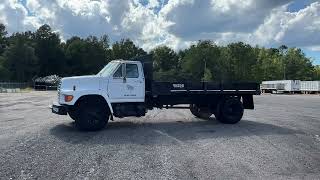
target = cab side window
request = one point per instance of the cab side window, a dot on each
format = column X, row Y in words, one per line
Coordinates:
column 132, row 71
column 118, row 73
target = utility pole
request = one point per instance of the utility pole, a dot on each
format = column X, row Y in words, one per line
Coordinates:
column 204, row 70
column 283, row 51
column 284, row 70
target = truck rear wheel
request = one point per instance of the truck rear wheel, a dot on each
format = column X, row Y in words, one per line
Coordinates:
column 230, row 111
column 92, row 117
column 202, row 113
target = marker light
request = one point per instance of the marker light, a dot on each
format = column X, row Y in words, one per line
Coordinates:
column 68, row 98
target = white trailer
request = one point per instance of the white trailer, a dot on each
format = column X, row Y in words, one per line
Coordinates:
column 308, row 87
column 286, row 86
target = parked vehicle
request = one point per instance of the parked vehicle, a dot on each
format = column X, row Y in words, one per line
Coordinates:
column 310, row 86
column 126, row 88
column 286, row 86
column 46, row 83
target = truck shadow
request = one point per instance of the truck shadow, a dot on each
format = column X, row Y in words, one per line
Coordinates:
column 172, row 132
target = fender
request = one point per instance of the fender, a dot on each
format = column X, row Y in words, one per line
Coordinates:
column 106, row 97
column 79, row 94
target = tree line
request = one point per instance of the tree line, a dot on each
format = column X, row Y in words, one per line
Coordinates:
column 26, row 55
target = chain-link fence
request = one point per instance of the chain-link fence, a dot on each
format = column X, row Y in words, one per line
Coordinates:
column 7, row 87
column 40, row 83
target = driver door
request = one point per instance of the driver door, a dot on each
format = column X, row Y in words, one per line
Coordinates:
column 127, row 84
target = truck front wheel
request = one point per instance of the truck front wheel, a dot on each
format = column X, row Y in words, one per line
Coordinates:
column 92, row 117
column 73, row 113
column 199, row 112
column 230, row 111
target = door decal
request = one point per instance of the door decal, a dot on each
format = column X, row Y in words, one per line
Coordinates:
column 130, row 88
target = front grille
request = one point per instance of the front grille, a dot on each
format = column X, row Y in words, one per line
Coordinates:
column 58, row 88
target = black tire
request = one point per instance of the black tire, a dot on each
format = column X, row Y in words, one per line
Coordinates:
column 73, row 114
column 194, row 110
column 201, row 113
column 230, row 111
column 92, row 117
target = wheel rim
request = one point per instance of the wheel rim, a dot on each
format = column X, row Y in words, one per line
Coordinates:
column 93, row 116
column 233, row 110
column 198, row 112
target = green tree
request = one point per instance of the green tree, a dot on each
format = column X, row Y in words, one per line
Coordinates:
column 20, row 59
column 126, row 49
column 201, row 56
column 207, row 75
column 297, row 66
column 24, row 55
column 3, row 39
column 283, row 49
column 316, row 73
column 241, row 60
column 164, row 59
column 105, row 42
column 75, row 52
column 87, row 56
column 4, row 72
column 268, row 66
column 97, row 53
column 49, row 51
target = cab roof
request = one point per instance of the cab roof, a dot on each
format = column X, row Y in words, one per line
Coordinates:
column 125, row 61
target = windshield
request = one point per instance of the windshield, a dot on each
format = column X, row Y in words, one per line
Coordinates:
column 108, row 69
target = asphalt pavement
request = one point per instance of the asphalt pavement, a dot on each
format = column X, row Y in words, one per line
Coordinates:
column 280, row 139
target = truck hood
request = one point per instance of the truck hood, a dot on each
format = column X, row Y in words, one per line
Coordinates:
column 80, row 83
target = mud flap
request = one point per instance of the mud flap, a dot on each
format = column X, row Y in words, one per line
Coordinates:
column 247, row 101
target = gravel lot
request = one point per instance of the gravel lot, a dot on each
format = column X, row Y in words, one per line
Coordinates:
column 278, row 140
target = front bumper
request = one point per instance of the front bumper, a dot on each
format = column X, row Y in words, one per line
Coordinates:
column 59, row 109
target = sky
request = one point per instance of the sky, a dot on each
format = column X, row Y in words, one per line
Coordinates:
column 175, row 23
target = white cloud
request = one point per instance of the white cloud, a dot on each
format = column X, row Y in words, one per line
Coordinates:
column 314, row 48
column 72, row 17
column 13, row 14
column 32, row 5
column 266, row 23
column 153, row 4
column 178, row 23
column 299, row 29
column 192, row 18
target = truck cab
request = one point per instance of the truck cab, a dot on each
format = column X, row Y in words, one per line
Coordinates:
column 119, row 81
column 119, row 87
